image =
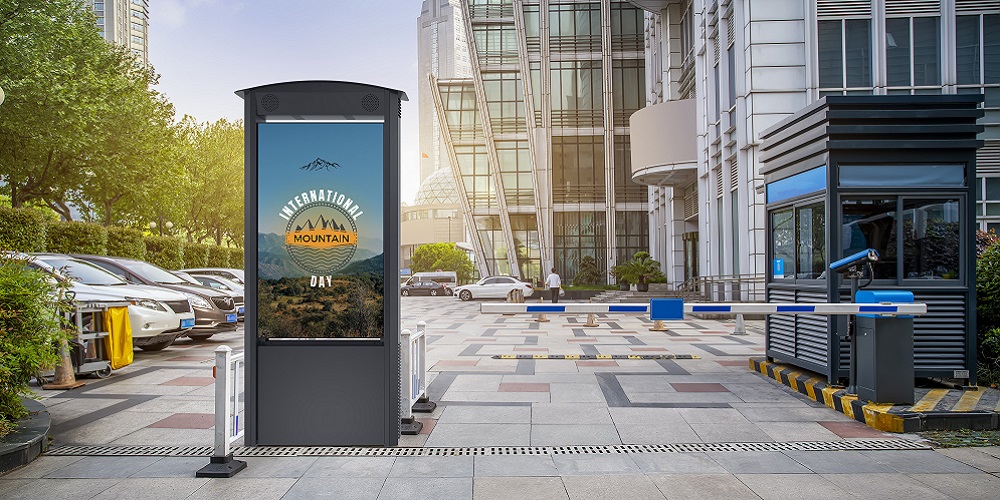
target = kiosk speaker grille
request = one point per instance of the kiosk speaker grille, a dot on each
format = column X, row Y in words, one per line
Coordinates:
column 370, row 102
column 269, row 102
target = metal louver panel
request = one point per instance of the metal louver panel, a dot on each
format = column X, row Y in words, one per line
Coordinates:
column 939, row 340
column 717, row 44
column 811, row 330
column 977, row 6
column 781, row 327
column 691, row 203
column 731, row 28
column 718, row 181
column 826, row 9
column 734, row 174
column 898, row 7
column 988, row 158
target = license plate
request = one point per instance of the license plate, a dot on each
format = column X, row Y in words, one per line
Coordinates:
column 231, row 318
column 187, row 323
column 241, row 310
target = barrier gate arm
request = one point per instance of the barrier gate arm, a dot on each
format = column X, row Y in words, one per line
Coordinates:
column 675, row 309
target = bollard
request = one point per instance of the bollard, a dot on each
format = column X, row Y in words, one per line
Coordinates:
column 658, row 326
column 423, row 404
column 542, row 317
column 740, row 327
column 221, row 463
column 591, row 320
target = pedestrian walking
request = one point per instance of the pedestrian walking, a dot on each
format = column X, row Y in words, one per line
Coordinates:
column 554, row 282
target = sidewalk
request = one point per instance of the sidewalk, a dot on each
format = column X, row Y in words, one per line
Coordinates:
column 623, row 428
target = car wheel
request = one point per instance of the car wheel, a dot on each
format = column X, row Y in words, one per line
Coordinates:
column 405, row 293
column 434, row 293
column 449, row 292
column 200, row 336
column 157, row 346
column 465, row 295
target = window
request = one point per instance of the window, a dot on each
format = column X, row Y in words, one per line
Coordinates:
column 625, row 190
column 798, row 244
column 967, row 49
column 990, row 204
column 631, row 234
column 576, row 235
column 783, row 244
column 871, row 223
column 628, row 88
column 577, row 94
column 578, row 169
column 931, row 239
column 731, row 60
column 845, row 53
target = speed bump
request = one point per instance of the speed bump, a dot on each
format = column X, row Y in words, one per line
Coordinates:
column 595, row 356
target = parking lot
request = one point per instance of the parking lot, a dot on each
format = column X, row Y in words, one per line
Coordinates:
column 695, row 428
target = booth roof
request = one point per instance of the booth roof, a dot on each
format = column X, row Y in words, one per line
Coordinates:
column 242, row 93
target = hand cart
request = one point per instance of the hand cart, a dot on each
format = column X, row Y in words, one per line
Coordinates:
column 87, row 351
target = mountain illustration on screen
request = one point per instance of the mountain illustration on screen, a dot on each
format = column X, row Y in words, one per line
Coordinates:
column 319, row 164
column 320, row 223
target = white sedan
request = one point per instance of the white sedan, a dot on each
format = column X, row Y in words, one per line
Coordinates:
column 492, row 287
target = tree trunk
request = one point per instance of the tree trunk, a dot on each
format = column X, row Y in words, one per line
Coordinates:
column 218, row 236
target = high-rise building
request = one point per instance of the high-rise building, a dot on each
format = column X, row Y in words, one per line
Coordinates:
column 538, row 137
column 125, row 22
column 442, row 51
column 722, row 72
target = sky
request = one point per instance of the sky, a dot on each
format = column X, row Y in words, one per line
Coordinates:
column 283, row 148
column 204, row 50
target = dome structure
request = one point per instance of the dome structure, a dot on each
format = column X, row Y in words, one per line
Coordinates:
column 438, row 189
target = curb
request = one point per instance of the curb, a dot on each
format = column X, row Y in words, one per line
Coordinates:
column 22, row 446
column 883, row 417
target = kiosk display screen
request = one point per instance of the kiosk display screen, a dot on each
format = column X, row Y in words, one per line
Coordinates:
column 320, row 265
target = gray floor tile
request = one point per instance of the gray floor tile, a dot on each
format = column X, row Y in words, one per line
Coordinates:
column 377, row 467
column 838, row 462
column 476, row 382
column 509, row 465
column 103, row 467
column 645, row 383
column 505, row 488
column 974, row 457
column 648, row 416
column 797, row 431
column 672, row 432
column 702, row 487
column 480, row 435
column 576, row 393
column 732, row 432
column 563, row 434
column 919, row 461
column 631, row 487
column 277, row 466
column 595, row 465
column 428, row 488
column 807, row 414
column 757, row 462
column 341, row 488
column 792, row 486
column 962, row 485
column 570, row 413
column 173, row 467
column 50, row 489
column 460, row 466
column 485, row 415
column 677, row 463
column 152, row 488
column 711, row 415
column 240, row 489
column 40, row 467
column 883, row 486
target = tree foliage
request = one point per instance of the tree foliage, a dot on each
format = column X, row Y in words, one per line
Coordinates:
column 444, row 257
column 213, row 156
column 588, row 274
column 77, row 237
column 22, row 229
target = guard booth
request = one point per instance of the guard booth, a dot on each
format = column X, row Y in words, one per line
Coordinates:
column 322, row 294
column 893, row 173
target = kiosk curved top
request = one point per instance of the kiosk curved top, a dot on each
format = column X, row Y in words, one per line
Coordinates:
column 308, row 85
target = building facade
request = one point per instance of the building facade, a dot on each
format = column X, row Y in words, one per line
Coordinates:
column 722, row 72
column 435, row 216
column 538, row 137
column 125, row 22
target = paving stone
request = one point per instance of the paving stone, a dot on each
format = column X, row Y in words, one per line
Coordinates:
column 962, row 486
column 102, row 467
column 631, row 487
column 39, row 467
column 702, row 487
column 570, row 413
column 974, row 457
column 152, row 488
column 505, row 488
column 757, row 462
column 172, row 467
column 423, row 467
column 378, row 467
column 838, row 462
column 466, row 382
column 428, row 488
column 883, row 486
column 480, row 435
column 852, row 429
column 699, row 387
column 919, row 461
column 277, row 466
column 237, row 488
column 485, row 415
column 668, row 432
column 711, row 415
column 576, row 393
column 49, row 489
column 186, row 421
column 797, row 431
column 677, row 463
column 588, row 465
column 511, row 465
column 732, row 432
column 175, row 437
column 792, row 486
column 582, row 434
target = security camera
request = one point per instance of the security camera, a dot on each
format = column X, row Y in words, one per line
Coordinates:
column 852, row 261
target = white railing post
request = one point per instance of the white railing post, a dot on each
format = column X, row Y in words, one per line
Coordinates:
column 227, row 399
column 413, row 374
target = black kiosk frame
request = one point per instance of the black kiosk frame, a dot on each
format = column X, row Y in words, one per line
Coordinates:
column 310, row 382
column 895, row 173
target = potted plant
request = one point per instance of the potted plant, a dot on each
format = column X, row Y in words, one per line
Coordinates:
column 620, row 273
column 645, row 269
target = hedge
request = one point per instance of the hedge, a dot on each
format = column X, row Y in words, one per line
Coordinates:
column 218, row 256
column 165, row 252
column 236, row 258
column 77, row 237
column 22, row 230
column 126, row 242
column 196, row 254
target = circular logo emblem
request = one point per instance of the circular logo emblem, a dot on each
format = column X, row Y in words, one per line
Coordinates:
column 321, row 238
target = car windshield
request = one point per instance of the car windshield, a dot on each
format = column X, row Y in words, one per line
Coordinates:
column 152, row 272
column 83, row 272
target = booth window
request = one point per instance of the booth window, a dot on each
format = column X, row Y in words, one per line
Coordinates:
column 798, row 236
column 871, row 223
column 931, row 244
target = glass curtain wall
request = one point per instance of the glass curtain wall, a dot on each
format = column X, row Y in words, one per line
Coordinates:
column 575, row 235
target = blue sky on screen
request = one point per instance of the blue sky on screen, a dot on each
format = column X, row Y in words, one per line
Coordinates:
column 204, row 50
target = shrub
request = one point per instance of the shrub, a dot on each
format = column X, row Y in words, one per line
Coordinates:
column 984, row 240
column 236, row 258
column 126, row 242
column 78, row 237
column 988, row 289
column 196, row 255
column 165, row 252
column 29, row 334
column 218, row 256
column 22, row 230
column 588, row 273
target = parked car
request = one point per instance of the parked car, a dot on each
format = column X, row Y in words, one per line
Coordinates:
column 231, row 274
column 423, row 288
column 157, row 315
column 493, row 287
column 214, row 311
column 447, row 278
column 222, row 284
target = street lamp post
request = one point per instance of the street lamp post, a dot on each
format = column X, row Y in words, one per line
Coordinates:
column 449, row 229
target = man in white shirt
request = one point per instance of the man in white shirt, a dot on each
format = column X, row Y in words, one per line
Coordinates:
column 553, row 282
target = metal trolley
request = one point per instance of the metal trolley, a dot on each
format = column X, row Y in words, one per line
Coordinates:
column 87, row 351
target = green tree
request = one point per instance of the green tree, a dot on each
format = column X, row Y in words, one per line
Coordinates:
column 588, row 274
column 444, row 257
column 213, row 156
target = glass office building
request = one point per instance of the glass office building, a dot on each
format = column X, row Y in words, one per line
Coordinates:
column 538, row 138
column 125, row 22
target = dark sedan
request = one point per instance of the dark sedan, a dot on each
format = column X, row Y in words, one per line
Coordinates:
column 214, row 311
column 424, row 288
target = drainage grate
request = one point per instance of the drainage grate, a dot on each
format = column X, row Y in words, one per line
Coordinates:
column 595, row 356
column 353, row 451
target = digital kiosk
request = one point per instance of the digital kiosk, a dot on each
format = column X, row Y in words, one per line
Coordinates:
column 322, row 294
